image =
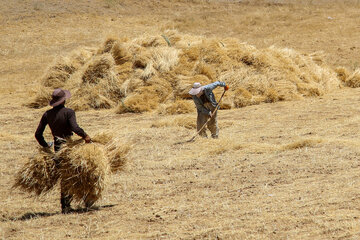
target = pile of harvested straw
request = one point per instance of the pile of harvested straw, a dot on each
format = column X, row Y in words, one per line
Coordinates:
column 177, row 107
column 146, row 73
column 39, row 174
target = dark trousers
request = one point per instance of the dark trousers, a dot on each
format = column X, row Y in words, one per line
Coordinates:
column 65, row 199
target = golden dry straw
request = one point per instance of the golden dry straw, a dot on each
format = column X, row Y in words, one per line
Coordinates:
column 41, row 99
column 118, row 157
column 354, row 79
column 178, row 107
column 348, row 79
column 188, row 122
column 116, row 150
column 38, row 175
column 96, row 85
column 84, row 171
column 85, row 168
column 148, row 72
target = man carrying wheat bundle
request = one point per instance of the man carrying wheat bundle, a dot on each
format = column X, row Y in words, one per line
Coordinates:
column 62, row 123
column 206, row 106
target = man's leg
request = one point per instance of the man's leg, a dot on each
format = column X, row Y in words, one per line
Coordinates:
column 65, row 200
column 213, row 126
column 201, row 120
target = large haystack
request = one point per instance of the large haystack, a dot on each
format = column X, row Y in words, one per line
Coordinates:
column 149, row 72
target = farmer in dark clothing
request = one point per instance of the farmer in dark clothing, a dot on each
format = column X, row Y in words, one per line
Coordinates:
column 205, row 103
column 62, row 123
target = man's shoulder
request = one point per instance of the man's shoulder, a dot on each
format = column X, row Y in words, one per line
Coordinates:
column 63, row 109
column 210, row 85
column 68, row 110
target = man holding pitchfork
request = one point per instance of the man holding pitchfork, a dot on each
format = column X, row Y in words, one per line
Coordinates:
column 206, row 106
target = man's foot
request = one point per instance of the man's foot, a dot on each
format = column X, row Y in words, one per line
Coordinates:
column 67, row 210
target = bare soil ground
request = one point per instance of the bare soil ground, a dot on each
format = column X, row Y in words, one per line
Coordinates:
column 288, row 170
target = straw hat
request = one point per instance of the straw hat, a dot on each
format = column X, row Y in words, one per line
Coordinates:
column 195, row 89
column 58, row 97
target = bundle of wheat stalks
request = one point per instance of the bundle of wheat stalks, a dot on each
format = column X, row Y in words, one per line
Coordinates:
column 83, row 169
column 39, row 175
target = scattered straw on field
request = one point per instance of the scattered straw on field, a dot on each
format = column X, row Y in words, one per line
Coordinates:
column 188, row 122
column 342, row 73
column 301, row 144
column 224, row 145
column 347, row 78
column 150, row 72
column 353, row 80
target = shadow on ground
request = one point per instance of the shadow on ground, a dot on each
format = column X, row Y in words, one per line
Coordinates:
column 33, row 215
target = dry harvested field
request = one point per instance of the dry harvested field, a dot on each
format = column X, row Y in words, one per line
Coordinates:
column 286, row 164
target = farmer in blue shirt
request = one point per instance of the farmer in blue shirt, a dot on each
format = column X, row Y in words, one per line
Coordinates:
column 205, row 103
